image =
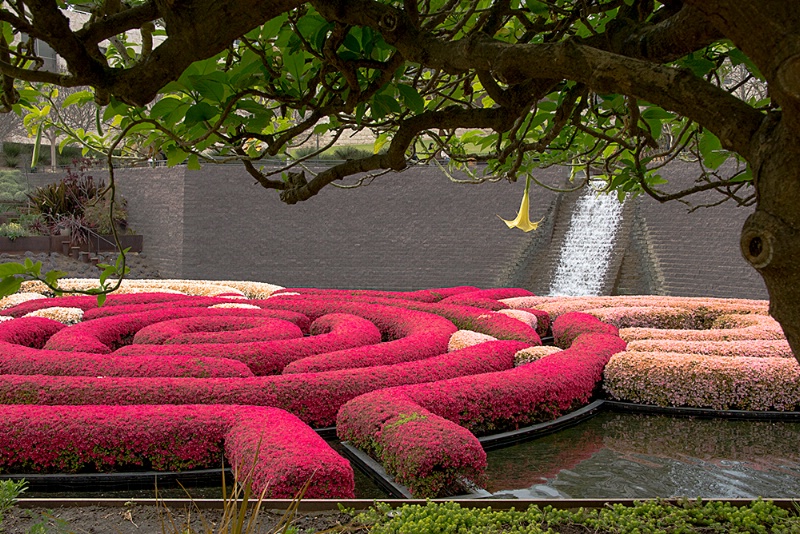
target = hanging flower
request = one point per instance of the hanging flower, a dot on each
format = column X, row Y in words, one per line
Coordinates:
column 523, row 221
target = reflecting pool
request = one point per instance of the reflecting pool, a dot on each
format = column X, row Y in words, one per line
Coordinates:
column 617, row 455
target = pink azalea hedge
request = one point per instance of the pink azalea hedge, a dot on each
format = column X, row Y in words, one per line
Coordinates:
column 69, row 439
column 463, row 317
column 29, row 331
column 423, row 451
column 223, row 329
column 718, row 382
column 329, row 334
column 482, row 403
column 20, row 360
column 567, row 327
column 87, row 303
column 723, row 328
column 756, row 348
column 314, row 397
column 105, row 334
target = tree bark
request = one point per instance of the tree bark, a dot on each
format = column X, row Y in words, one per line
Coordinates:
column 770, row 239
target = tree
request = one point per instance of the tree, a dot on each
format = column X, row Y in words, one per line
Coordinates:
column 613, row 87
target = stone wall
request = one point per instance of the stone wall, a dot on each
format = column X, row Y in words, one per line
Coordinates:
column 417, row 229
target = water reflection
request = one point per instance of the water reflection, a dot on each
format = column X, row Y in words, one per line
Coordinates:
column 642, row 456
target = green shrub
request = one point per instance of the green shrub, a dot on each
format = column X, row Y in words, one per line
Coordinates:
column 13, row 230
column 10, row 491
column 649, row 516
column 349, row 152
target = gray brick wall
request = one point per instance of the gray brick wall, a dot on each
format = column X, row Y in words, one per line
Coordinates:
column 415, row 230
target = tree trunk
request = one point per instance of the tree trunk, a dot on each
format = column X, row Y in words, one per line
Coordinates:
column 770, row 239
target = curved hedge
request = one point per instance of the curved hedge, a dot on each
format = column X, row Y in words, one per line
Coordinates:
column 314, row 397
column 272, row 449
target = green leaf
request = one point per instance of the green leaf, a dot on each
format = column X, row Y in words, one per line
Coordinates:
column 295, row 65
column 711, row 150
column 380, row 142
column 10, row 285
column 12, row 268
column 738, row 58
column 699, row 66
column 80, row 98
column 199, row 113
column 101, row 299
column 175, row 156
column 537, row 8
column 193, row 164
column 744, row 176
column 411, row 98
column 52, row 276
column 210, row 89
column 657, row 113
column 165, row 106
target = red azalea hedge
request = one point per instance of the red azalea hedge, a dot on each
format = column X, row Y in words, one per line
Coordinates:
column 463, row 317
column 314, row 397
column 543, row 323
column 20, row 360
column 423, row 295
column 105, row 334
column 487, row 298
column 423, row 451
column 286, row 452
column 29, row 331
column 87, row 303
column 297, row 318
column 225, row 329
column 330, row 333
column 567, row 327
column 483, row 403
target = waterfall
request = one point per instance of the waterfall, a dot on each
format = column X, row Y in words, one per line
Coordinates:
column 588, row 245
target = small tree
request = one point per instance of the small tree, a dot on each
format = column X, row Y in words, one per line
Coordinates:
column 613, row 87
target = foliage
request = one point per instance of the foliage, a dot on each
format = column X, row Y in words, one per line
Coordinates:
column 687, row 516
column 436, row 74
column 77, row 205
column 10, row 491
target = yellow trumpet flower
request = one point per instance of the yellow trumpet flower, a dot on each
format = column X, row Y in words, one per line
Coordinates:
column 523, row 220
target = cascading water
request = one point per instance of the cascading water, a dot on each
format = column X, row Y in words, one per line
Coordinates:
column 588, row 244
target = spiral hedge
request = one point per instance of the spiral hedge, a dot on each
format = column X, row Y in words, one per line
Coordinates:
column 413, row 376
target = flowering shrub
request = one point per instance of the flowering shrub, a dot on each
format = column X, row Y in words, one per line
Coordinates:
column 101, row 438
column 724, row 328
column 567, row 327
column 757, row 348
column 222, row 329
column 531, row 354
column 254, row 290
column 87, row 303
column 522, row 315
column 61, row 314
column 648, row 317
column 704, row 308
column 718, row 382
column 19, row 360
column 106, row 334
column 314, row 397
column 543, row 322
column 482, row 403
column 29, row 331
column 18, row 298
column 486, row 298
column 463, row 317
column 466, row 338
column 427, row 453
column 330, row 333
